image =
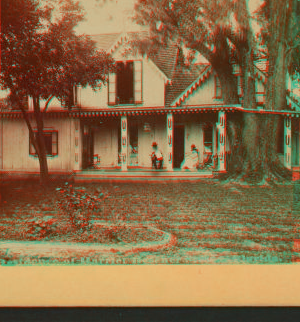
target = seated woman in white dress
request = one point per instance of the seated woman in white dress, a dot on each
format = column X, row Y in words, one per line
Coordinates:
column 191, row 161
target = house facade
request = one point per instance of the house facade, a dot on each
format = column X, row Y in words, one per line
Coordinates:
column 151, row 98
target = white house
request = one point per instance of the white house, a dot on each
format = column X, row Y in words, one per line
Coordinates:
column 149, row 99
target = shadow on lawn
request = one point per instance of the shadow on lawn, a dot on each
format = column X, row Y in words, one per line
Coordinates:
column 212, row 223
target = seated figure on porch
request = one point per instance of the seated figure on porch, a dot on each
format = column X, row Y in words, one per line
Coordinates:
column 207, row 158
column 191, row 160
column 156, row 157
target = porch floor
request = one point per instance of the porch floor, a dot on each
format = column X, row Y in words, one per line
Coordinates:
column 141, row 174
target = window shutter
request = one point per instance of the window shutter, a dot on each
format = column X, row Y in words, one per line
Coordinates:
column 55, row 143
column 75, row 95
column 218, row 89
column 138, row 82
column 112, row 89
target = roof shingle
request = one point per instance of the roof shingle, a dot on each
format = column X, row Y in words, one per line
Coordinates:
column 164, row 57
column 182, row 79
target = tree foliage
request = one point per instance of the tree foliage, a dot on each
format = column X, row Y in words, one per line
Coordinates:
column 221, row 31
column 42, row 57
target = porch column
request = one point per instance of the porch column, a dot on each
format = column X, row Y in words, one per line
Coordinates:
column 288, row 143
column 169, row 158
column 77, row 137
column 124, row 142
column 221, row 141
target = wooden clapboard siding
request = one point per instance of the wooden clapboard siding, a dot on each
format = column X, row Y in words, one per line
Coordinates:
column 205, row 94
column 16, row 146
column 153, row 88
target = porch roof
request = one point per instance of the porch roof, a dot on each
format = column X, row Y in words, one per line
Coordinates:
column 99, row 113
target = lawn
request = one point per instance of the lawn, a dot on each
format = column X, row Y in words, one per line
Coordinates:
column 211, row 222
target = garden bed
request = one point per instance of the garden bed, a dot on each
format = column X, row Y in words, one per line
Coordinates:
column 211, row 222
column 100, row 232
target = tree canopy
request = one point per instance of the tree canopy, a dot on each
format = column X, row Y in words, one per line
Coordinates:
column 42, row 57
column 222, row 31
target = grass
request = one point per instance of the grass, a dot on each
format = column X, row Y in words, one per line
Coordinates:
column 213, row 222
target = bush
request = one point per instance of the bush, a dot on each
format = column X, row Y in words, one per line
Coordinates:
column 39, row 229
column 78, row 205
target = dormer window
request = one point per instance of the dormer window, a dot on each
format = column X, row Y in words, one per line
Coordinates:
column 71, row 98
column 125, row 86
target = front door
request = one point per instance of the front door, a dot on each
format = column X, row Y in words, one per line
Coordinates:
column 87, row 148
column 178, row 152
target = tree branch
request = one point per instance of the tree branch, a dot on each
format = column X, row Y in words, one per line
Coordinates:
column 47, row 103
column 202, row 49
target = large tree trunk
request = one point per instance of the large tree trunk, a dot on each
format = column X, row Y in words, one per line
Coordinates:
column 40, row 141
column 260, row 133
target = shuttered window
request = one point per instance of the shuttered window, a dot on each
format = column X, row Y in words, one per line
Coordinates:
column 71, row 98
column 51, row 143
column 125, row 86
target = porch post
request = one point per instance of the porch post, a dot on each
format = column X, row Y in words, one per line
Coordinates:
column 288, row 143
column 78, row 144
column 124, row 142
column 221, row 141
column 169, row 158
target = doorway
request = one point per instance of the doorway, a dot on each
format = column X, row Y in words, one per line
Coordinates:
column 178, row 146
column 87, row 147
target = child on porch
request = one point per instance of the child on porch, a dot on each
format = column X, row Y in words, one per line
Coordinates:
column 156, row 157
column 191, row 161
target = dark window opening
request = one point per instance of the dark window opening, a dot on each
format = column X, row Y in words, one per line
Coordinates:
column 208, row 136
column 70, row 99
column 125, row 88
column 51, row 143
column 48, row 143
column 133, row 135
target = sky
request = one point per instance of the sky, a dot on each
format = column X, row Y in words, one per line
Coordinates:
column 113, row 16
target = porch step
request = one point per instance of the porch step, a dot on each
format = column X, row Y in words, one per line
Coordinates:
column 156, row 175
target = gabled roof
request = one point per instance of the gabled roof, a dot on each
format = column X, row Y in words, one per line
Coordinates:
column 185, row 81
column 164, row 58
column 105, row 41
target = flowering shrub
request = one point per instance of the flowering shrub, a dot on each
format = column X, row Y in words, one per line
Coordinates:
column 39, row 229
column 77, row 204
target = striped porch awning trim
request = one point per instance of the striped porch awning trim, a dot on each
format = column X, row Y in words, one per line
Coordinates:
column 86, row 114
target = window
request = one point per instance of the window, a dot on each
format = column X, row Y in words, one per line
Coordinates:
column 125, row 86
column 71, row 99
column 218, row 89
column 51, row 143
column 260, row 92
column 208, row 135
